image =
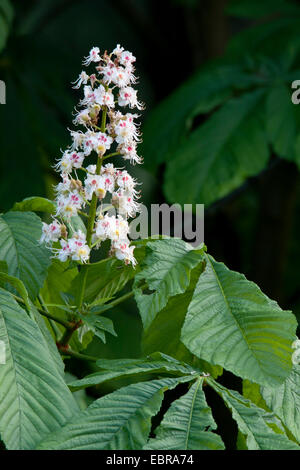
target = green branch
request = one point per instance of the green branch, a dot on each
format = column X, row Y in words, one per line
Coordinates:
column 65, row 323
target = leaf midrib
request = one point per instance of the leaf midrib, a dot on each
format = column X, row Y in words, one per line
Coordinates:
column 232, row 315
column 199, row 382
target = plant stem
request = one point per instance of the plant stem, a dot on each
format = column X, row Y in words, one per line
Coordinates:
column 122, row 299
column 45, row 314
column 71, row 353
column 82, row 213
column 92, row 216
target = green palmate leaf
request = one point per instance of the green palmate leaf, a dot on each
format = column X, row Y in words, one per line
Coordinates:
column 157, row 364
column 170, row 121
column 51, row 345
column 260, row 39
column 230, row 322
column 167, row 272
column 35, row 204
column 218, row 156
column 19, row 247
column 118, row 421
column 6, row 17
column 164, row 332
column 34, row 399
column 263, row 431
column 285, row 401
column 187, row 425
column 280, row 120
column 18, row 285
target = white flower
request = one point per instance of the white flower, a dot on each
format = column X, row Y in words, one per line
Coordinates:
column 102, row 142
column 82, row 79
column 74, row 248
column 64, row 252
column 79, row 249
column 123, row 251
column 128, row 97
column 104, row 97
column 94, row 56
column 125, row 131
column 126, row 58
column 97, row 141
column 64, row 186
column 296, row 344
column 115, row 70
column 111, row 227
column 89, row 95
column 125, row 181
column 118, row 50
column 101, row 228
column 91, row 169
column 83, row 117
column 121, row 77
column 69, row 161
column 128, row 151
column 108, row 71
column 124, row 202
column 67, row 206
column 51, row 233
column 82, row 253
column 78, row 138
column 296, row 357
column 95, row 184
column 108, row 169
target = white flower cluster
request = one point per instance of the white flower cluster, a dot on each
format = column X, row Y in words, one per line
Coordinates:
column 296, row 353
column 103, row 127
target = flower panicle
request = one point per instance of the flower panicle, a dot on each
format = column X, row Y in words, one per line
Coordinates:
column 107, row 90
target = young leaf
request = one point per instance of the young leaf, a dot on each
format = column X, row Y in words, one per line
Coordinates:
column 167, row 272
column 230, row 322
column 187, row 425
column 34, row 399
column 104, row 279
column 118, row 421
column 254, row 423
column 57, row 282
column 99, row 325
column 19, row 247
